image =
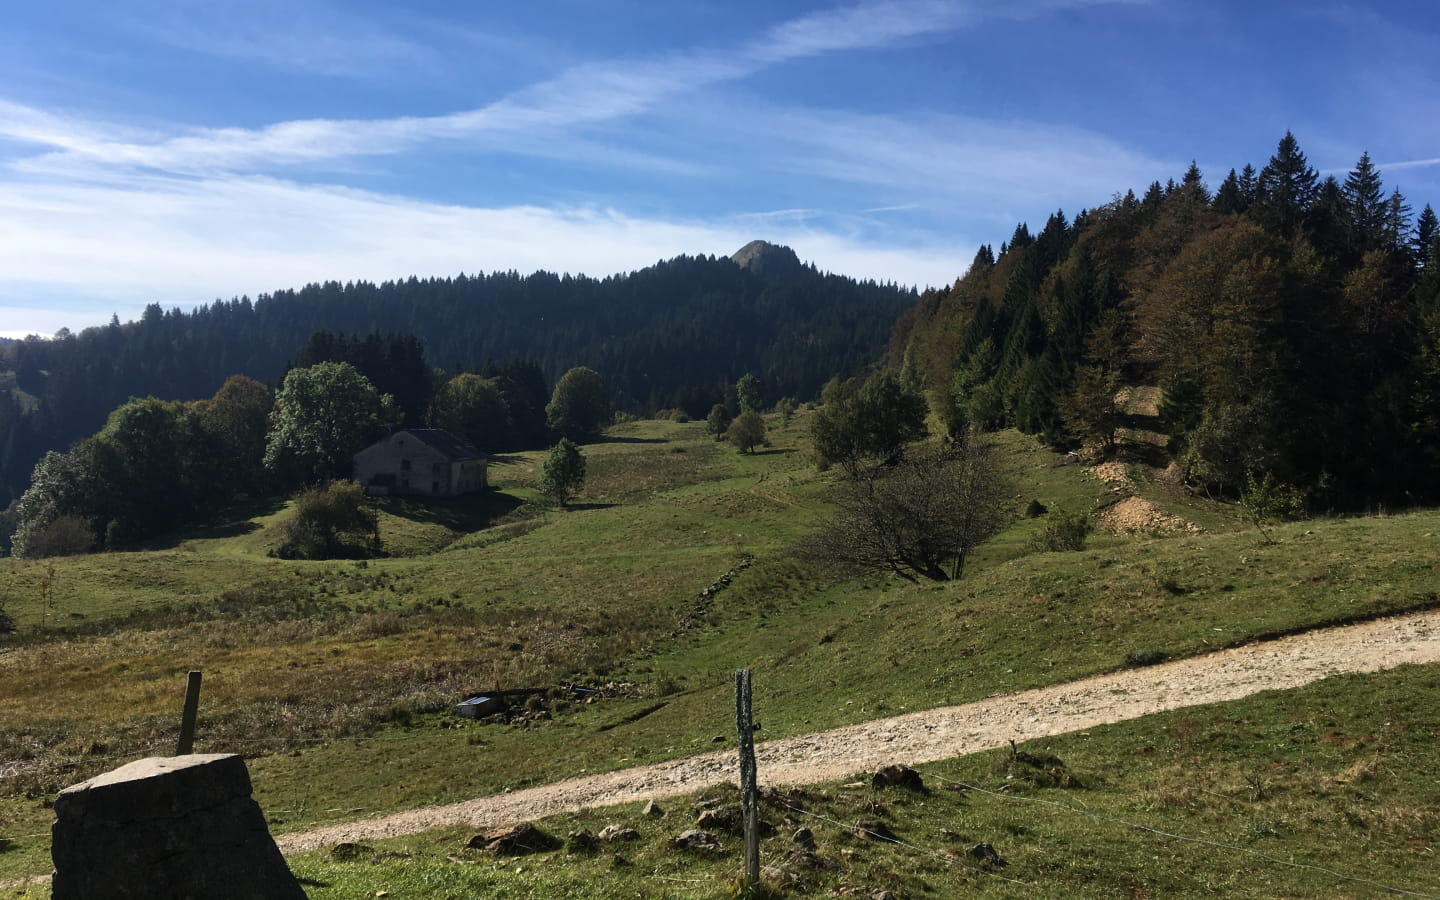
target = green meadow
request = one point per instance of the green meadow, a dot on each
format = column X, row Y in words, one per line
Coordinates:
column 336, row 679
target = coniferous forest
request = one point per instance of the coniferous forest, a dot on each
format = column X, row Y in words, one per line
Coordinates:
column 673, row 335
column 1291, row 321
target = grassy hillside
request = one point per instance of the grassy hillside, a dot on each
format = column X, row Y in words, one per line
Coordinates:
column 335, row 678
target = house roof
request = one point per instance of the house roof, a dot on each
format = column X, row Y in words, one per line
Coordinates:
column 454, row 448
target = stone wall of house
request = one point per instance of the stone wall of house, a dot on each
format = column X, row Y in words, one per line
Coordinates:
column 428, row 471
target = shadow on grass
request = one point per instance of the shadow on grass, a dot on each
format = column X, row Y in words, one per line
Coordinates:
column 580, row 506
column 616, row 439
column 469, row 513
column 235, row 521
column 772, row 451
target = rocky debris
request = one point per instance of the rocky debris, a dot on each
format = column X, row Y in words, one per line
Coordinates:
column 722, row 818
column 581, row 842
column 521, row 840
column 776, row 877
column 783, row 800
column 805, row 859
column 1114, row 473
column 653, row 810
column 882, row 895
column 182, row 826
column 898, row 776
column 696, row 614
column 988, row 856
column 875, row 830
column 697, row 840
column 348, row 852
column 805, row 838
column 1136, row 514
column 612, row 833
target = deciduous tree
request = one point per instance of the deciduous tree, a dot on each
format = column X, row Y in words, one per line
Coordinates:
column 563, row 472
column 324, row 415
column 920, row 518
column 579, row 407
column 747, row 431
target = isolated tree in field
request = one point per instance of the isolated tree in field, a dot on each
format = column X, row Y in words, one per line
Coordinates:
column 920, row 518
column 718, row 422
column 563, row 472
column 579, row 407
column 866, row 423
column 324, row 415
column 1266, row 501
column 747, row 431
column 331, row 522
column 749, row 394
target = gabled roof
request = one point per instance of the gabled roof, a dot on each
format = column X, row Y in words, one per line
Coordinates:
column 455, row 449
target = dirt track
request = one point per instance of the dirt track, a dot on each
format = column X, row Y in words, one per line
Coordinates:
column 951, row 731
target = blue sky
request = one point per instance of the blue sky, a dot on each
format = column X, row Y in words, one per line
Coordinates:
column 176, row 151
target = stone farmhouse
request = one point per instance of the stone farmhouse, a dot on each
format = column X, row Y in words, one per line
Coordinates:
column 429, row 462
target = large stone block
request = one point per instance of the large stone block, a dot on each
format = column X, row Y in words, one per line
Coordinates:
column 167, row 827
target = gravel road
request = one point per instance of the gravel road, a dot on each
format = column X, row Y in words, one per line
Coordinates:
column 938, row 734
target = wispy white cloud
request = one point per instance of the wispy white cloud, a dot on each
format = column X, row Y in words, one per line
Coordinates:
column 183, row 243
column 1410, row 164
column 582, row 95
column 306, row 37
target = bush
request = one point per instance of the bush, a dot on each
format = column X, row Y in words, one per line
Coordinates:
column 62, row 536
column 1063, row 531
column 331, row 522
column 1035, row 510
column 1151, row 657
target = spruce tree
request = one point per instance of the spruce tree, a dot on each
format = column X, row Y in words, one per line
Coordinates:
column 1427, row 230
column 1365, row 205
column 1286, row 187
column 1227, row 199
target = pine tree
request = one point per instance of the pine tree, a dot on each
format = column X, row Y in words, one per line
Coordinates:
column 1227, row 199
column 1427, row 230
column 1286, row 187
column 1194, row 181
column 1396, row 227
column 1365, row 205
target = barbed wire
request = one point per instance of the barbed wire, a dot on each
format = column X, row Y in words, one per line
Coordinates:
column 1180, row 837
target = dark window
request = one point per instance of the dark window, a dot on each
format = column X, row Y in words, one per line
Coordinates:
column 404, row 465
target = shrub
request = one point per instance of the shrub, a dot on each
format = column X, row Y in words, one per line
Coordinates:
column 1148, row 657
column 1035, row 510
column 331, row 522
column 62, row 536
column 1063, row 531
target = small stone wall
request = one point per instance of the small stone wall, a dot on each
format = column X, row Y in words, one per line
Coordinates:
column 167, row 827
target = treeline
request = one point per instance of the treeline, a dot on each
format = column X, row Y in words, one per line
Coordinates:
column 1292, row 322
column 157, row 465
column 673, row 335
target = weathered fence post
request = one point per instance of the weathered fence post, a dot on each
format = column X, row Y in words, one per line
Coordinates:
column 187, row 718
column 749, row 792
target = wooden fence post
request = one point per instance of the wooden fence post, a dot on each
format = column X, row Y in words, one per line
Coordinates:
column 749, row 792
column 187, row 718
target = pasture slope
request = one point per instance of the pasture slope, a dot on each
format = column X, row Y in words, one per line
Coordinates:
column 334, row 679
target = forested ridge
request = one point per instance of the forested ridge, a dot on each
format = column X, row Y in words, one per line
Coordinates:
column 672, row 335
column 1291, row 321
